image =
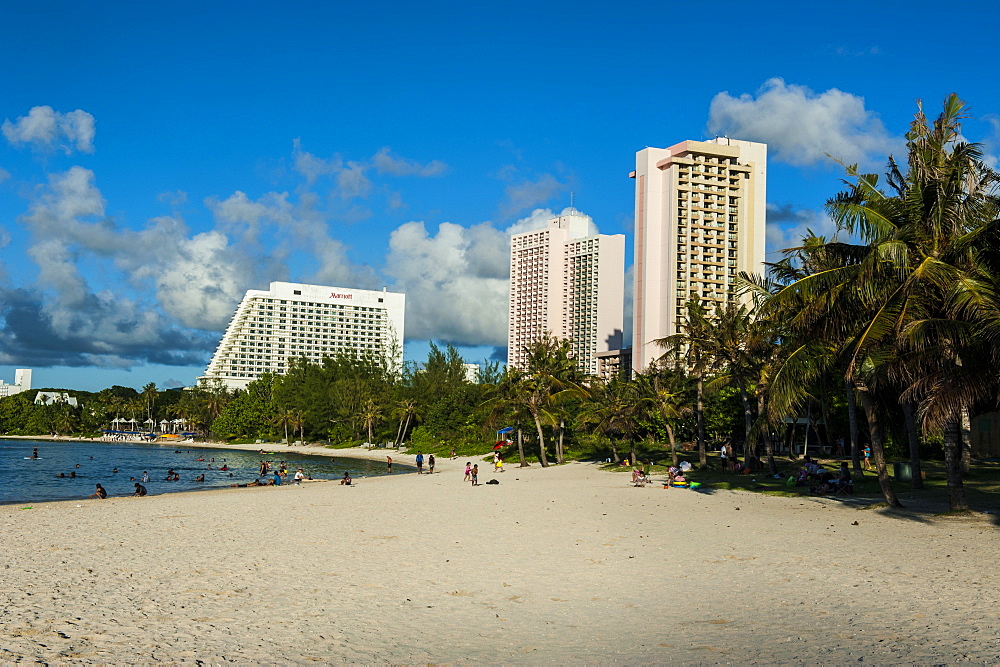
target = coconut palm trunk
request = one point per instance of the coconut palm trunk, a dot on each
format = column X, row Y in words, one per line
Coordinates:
column 700, row 417
column 520, row 449
column 910, row 415
column 878, row 450
column 542, row 458
column 953, row 463
column 852, row 420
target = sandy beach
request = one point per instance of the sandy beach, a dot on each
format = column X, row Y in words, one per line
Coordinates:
column 568, row 564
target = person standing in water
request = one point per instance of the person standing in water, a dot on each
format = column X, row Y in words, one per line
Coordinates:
column 388, row 463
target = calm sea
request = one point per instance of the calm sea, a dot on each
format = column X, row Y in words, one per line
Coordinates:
column 24, row 480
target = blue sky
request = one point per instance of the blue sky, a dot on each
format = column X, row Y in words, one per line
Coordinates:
column 157, row 161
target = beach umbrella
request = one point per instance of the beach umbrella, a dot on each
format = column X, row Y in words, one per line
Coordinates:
column 500, row 444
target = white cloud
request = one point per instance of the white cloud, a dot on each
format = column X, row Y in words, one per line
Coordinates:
column 47, row 128
column 801, row 127
column 786, row 225
column 386, row 163
column 526, row 194
column 457, row 280
column 4, row 174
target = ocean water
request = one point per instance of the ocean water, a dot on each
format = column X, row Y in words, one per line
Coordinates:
column 24, row 480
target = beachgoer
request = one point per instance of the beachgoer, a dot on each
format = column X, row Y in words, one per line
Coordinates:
column 420, row 463
column 346, row 481
column 115, row 471
column 34, row 453
column 867, row 451
column 498, row 466
column 77, row 465
column 224, row 468
column 277, row 479
column 475, row 475
column 200, row 478
column 99, row 493
column 430, row 464
column 145, row 477
column 388, row 463
column 263, row 468
column 62, row 474
column 140, row 490
column 453, row 455
column 72, row 473
column 468, row 471
column 724, row 457
column 299, row 475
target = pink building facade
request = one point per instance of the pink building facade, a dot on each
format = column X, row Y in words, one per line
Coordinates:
column 700, row 210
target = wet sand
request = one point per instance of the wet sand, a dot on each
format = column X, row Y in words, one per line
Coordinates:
column 569, row 564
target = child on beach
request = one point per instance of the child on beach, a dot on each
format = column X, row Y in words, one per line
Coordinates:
column 99, row 493
column 468, row 471
column 430, row 463
column 475, row 475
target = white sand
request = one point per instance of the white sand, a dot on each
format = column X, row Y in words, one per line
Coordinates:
column 568, row 564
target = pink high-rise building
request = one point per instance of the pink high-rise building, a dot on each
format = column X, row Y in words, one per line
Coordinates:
column 699, row 221
column 567, row 281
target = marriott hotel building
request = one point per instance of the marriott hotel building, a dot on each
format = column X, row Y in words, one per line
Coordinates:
column 291, row 321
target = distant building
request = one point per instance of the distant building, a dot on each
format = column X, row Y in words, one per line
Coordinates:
column 22, row 382
column 615, row 363
column 471, row 373
column 699, row 221
column 55, row 398
column 569, row 283
column 292, row 320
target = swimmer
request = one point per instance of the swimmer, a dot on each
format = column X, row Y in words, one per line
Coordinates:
column 115, row 471
column 200, row 478
column 62, row 474
column 72, row 474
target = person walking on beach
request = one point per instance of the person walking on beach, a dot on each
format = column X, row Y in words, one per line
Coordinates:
column 430, row 464
column 475, row 475
column 388, row 463
column 99, row 493
column 420, row 463
column 468, row 471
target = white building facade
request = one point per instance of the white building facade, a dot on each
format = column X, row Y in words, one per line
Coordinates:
column 567, row 282
column 700, row 211
column 22, row 382
column 292, row 321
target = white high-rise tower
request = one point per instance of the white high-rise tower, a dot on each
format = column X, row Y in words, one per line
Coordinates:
column 291, row 321
column 567, row 281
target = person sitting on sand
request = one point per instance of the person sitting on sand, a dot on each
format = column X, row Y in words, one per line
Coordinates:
column 637, row 475
column 140, row 490
column 99, row 493
column 276, row 479
column 346, row 481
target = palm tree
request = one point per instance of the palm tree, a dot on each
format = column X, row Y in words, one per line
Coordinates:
column 406, row 409
column 614, row 408
column 691, row 349
column 369, row 416
column 149, row 394
column 668, row 392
